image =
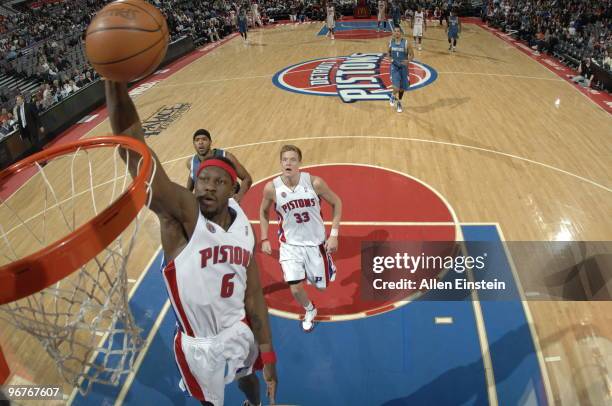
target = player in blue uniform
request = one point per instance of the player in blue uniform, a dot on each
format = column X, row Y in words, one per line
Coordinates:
column 453, row 29
column 396, row 14
column 401, row 53
column 243, row 24
column 201, row 143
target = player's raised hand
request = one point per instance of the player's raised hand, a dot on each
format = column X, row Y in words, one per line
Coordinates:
column 331, row 245
column 266, row 247
column 269, row 373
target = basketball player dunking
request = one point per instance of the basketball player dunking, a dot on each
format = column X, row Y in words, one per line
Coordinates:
column 212, row 279
column 401, row 53
column 418, row 27
column 304, row 252
column 201, row 143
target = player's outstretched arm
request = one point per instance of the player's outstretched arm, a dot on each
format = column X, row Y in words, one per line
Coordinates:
column 257, row 313
column 169, row 198
column 245, row 177
column 264, row 216
column 324, row 191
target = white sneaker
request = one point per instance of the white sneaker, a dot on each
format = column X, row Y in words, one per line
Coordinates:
column 420, row 48
column 392, row 101
column 308, row 323
column 399, row 107
column 247, row 403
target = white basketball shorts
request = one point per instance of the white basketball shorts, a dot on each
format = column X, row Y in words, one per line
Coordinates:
column 202, row 361
column 307, row 262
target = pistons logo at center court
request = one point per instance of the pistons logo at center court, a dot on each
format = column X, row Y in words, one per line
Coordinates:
column 356, row 77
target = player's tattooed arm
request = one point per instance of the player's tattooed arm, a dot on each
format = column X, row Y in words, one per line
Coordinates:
column 256, row 308
column 169, row 199
column 257, row 313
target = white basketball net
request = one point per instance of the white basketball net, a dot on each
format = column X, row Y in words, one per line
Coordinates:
column 83, row 321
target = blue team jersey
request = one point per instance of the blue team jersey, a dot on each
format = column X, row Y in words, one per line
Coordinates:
column 453, row 23
column 195, row 162
column 399, row 51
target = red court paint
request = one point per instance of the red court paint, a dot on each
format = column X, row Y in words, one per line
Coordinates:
column 78, row 130
column 369, row 195
column 4, row 369
column 602, row 99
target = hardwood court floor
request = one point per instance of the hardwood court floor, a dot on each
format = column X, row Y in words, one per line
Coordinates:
column 486, row 134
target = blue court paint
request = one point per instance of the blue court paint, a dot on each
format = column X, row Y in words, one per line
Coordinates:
column 348, row 362
column 354, row 25
column 518, row 377
column 392, row 359
column 146, row 304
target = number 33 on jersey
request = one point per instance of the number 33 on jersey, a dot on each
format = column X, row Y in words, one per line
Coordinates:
column 299, row 210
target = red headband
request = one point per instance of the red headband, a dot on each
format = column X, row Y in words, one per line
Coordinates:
column 219, row 164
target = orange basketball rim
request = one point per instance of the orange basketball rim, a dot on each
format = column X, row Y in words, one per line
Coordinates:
column 45, row 267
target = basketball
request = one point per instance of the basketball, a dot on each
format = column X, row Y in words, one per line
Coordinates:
column 127, row 40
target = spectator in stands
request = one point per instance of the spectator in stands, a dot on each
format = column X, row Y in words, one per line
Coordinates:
column 7, row 125
column 569, row 29
column 540, row 41
column 88, row 78
column 28, row 122
column 212, row 32
column 585, row 73
column 73, row 86
column 4, row 115
column 47, row 96
column 66, row 90
column 607, row 60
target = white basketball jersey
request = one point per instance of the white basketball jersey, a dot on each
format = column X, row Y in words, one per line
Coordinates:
column 418, row 18
column 300, row 213
column 207, row 281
